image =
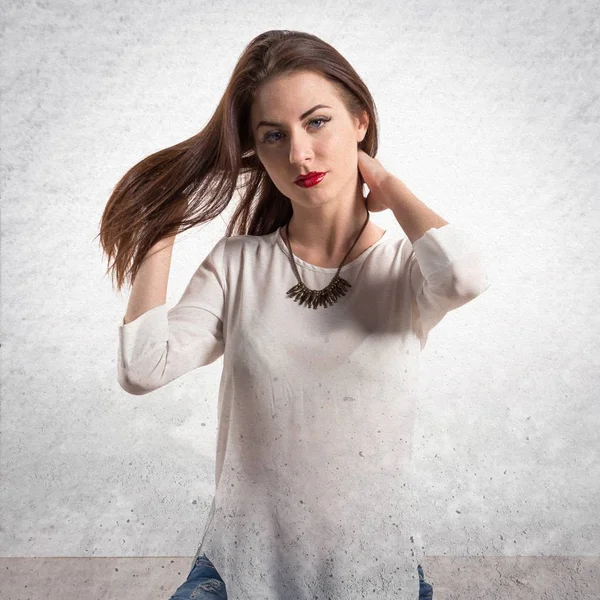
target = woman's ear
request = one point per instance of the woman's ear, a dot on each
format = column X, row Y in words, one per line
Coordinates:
column 362, row 126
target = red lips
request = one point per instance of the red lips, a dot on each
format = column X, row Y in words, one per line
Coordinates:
column 310, row 179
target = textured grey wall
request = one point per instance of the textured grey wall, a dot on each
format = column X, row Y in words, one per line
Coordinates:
column 489, row 112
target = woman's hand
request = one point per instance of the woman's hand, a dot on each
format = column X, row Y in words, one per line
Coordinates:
column 374, row 174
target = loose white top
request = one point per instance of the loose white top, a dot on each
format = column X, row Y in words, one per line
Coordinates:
column 316, row 407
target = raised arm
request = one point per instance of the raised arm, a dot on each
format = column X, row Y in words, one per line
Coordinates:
column 158, row 344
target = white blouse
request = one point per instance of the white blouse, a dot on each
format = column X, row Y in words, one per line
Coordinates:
column 316, row 407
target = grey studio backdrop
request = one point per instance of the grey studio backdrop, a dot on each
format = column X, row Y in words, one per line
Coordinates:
column 488, row 111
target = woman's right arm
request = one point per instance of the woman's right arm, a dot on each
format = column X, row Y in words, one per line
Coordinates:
column 158, row 344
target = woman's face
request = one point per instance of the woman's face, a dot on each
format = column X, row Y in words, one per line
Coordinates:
column 299, row 140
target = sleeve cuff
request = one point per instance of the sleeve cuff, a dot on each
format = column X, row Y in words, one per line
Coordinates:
column 140, row 336
column 439, row 247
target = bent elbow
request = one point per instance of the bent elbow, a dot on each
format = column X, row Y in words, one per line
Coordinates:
column 133, row 387
column 470, row 278
column 469, row 288
column 140, row 378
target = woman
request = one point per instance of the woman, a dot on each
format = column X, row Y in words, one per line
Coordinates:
column 313, row 493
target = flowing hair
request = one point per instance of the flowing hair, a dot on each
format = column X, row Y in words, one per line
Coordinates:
column 193, row 181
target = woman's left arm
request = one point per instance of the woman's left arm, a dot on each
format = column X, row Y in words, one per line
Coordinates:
column 444, row 263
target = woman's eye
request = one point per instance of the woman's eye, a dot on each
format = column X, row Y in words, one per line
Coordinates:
column 269, row 136
column 322, row 119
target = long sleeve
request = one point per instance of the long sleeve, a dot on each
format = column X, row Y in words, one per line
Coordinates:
column 162, row 345
column 446, row 271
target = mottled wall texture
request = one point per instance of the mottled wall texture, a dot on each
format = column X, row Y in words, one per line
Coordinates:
column 489, row 111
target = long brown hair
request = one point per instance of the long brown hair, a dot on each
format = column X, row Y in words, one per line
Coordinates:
column 193, row 181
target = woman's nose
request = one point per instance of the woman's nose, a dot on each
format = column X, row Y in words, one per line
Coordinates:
column 300, row 150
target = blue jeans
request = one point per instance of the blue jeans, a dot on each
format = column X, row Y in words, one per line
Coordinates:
column 204, row 583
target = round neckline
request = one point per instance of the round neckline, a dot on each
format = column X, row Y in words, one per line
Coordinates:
column 302, row 263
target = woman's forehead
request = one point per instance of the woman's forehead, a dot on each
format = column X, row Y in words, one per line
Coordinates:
column 296, row 93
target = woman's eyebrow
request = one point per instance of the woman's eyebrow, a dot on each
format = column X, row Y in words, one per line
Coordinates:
column 302, row 116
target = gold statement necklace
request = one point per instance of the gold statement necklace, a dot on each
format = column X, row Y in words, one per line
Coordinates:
column 328, row 295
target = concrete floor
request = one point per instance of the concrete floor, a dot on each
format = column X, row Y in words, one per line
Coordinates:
column 452, row 578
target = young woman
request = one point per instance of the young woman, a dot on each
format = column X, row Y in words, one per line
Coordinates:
column 318, row 313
